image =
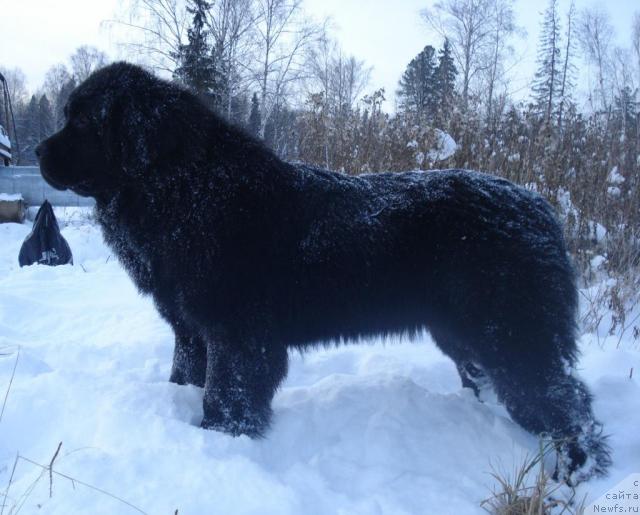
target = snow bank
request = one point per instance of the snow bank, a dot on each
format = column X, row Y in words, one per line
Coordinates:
column 374, row 428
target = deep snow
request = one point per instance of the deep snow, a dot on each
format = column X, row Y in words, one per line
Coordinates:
column 375, row 428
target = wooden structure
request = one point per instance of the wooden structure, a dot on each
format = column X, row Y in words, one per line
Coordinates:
column 12, row 208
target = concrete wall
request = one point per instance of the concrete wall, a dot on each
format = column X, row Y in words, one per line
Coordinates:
column 27, row 181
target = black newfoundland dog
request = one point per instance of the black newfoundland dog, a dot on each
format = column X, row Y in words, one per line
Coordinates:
column 246, row 256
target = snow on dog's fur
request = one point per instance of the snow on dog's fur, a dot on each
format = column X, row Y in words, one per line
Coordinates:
column 246, row 256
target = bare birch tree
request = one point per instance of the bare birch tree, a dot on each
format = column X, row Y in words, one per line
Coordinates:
column 333, row 87
column 152, row 31
column 596, row 34
column 85, row 60
column 635, row 41
column 341, row 78
column 503, row 26
column 468, row 24
column 56, row 86
column 16, row 84
column 283, row 35
column 231, row 24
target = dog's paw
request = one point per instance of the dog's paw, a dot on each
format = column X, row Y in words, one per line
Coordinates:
column 583, row 457
column 254, row 425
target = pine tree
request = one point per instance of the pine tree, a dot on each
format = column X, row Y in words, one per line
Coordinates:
column 627, row 110
column 417, row 87
column 224, row 97
column 548, row 79
column 238, row 111
column 61, row 101
column 197, row 67
column 45, row 118
column 29, row 132
column 254, row 118
column 445, row 75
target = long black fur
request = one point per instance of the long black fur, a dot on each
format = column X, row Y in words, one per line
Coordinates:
column 247, row 256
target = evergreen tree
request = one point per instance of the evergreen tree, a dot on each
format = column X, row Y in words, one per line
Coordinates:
column 254, row 118
column 29, row 132
column 61, row 101
column 239, row 110
column 45, row 118
column 417, row 87
column 446, row 74
column 548, row 79
column 197, row 67
column 34, row 122
column 627, row 111
column 279, row 133
column 225, row 100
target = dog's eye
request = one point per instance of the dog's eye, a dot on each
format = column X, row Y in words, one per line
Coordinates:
column 80, row 121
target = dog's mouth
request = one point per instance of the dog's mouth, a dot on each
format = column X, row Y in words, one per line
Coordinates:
column 82, row 188
column 51, row 181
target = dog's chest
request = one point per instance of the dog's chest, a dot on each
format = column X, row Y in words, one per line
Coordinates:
column 133, row 250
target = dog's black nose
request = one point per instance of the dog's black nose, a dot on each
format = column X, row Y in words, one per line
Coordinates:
column 38, row 151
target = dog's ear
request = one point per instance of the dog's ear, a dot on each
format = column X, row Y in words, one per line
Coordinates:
column 144, row 134
column 130, row 134
column 113, row 134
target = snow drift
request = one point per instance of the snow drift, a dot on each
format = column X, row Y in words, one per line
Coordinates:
column 382, row 427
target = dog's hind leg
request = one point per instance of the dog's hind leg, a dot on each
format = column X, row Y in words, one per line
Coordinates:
column 241, row 381
column 541, row 393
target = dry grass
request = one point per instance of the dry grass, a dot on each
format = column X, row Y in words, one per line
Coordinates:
column 529, row 490
column 17, row 503
column 7, row 351
column 12, row 504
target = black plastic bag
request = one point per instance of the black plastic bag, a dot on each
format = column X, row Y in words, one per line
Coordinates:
column 45, row 245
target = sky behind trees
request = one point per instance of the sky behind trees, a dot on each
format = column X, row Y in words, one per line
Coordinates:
column 386, row 34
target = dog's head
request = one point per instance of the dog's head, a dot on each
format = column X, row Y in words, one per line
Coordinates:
column 118, row 125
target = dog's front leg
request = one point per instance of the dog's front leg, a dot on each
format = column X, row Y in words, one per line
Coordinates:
column 241, row 379
column 189, row 359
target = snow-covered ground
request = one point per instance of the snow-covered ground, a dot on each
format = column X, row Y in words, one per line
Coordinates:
column 378, row 428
